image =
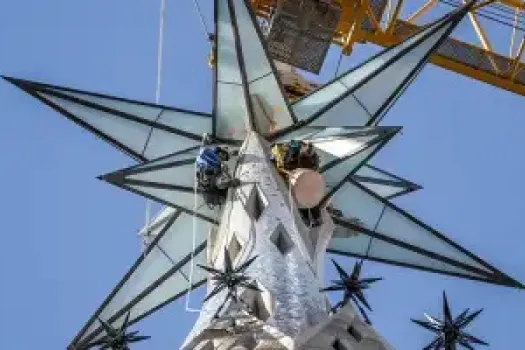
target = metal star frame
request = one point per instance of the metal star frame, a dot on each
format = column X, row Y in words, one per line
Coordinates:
column 230, row 279
column 450, row 330
column 352, row 287
column 117, row 339
column 344, row 112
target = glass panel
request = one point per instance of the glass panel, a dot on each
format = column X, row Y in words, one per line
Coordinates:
column 179, row 175
column 92, row 327
column 178, row 241
column 380, row 88
column 268, row 90
column 255, row 60
column 345, row 232
column 393, row 189
column 382, row 190
column 355, row 203
column 353, row 77
column 177, row 283
column 152, row 268
column 173, row 286
column 326, row 132
column 347, row 112
column 134, row 108
column 231, row 111
column 163, row 214
column 132, row 135
column 351, row 245
column 373, row 173
column 259, row 72
column 227, row 62
column 177, row 244
column 190, row 122
column 307, row 107
column 302, row 133
column 321, row 132
column 162, row 143
column 384, row 250
column 187, row 121
column 330, row 149
column 180, row 199
column 338, row 172
column 155, row 228
column 397, row 225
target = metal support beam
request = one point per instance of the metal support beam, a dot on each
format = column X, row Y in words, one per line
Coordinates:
column 458, row 67
column 482, row 38
column 422, row 10
column 393, row 19
column 507, row 76
column 355, row 31
column 516, row 64
column 482, row 4
column 513, row 35
column 371, row 15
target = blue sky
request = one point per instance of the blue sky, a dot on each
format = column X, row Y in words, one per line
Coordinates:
column 67, row 237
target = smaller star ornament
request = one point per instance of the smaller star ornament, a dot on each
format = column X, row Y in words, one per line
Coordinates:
column 449, row 332
column 231, row 279
column 117, row 339
column 352, row 288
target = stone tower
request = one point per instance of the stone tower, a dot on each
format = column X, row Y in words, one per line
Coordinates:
column 261, row 219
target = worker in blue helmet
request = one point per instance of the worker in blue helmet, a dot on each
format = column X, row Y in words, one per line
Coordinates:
column 213, row 178
column 211, row 158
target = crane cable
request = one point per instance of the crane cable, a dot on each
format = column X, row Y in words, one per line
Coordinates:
column 162, row 11
column 162, row 15
column 193, row 246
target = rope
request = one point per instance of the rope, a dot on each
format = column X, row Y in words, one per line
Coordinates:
column 194, row 238
column 193, row 246
column 160, row 50
column 157, row 92
column 201, row 19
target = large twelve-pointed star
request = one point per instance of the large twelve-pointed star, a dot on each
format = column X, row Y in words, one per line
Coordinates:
column 340, row 119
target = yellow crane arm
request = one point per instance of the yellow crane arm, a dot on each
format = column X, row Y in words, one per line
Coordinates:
column 380, row 22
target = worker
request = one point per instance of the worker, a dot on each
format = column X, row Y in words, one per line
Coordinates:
column 308, row 158
column 279, row 151
column 293, row 155
column 213, row 178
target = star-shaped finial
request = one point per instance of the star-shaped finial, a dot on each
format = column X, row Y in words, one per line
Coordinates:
column 117, row 339
column 230, row 278
column 352, row 288
column 450, row 331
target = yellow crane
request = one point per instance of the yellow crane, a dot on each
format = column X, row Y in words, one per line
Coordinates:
column 492, row 54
